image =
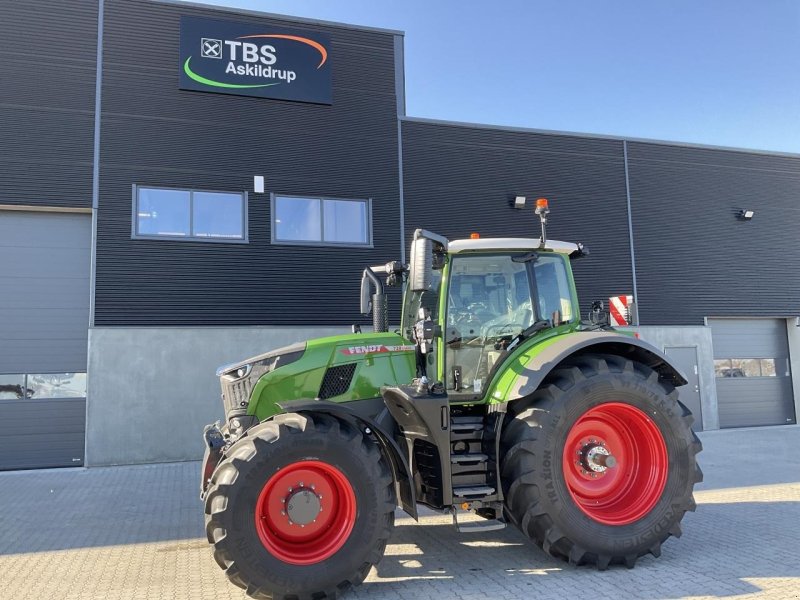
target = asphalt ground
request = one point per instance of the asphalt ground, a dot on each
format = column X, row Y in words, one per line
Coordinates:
column 136, row 532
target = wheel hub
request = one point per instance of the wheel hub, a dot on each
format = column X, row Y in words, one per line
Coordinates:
column 597, row 458
column 303, row 507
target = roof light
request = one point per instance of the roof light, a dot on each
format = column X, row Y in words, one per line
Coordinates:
column 541, row 205
column 474, row 236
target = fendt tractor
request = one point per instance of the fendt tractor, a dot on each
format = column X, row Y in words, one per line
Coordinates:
column 493, row 401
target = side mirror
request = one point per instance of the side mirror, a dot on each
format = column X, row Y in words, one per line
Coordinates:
column 420, row 269
column 425, row 248
column 368, row 278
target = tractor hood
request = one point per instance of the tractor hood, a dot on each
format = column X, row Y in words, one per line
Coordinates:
column 329, row 368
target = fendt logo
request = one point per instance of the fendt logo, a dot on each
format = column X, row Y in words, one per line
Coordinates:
column 235, row 58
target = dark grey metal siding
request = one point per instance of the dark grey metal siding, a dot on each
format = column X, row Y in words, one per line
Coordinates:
column 693, row 257
column 155, row 134
column 47, row 76
column 748, row 401
column 44, row 291
column 461, row 179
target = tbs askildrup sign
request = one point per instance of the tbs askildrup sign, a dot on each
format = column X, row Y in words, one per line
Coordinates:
column 255, row 60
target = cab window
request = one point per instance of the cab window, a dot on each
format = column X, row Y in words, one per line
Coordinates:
column 553, row 289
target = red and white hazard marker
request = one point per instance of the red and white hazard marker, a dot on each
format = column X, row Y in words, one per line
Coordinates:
column 619, row 310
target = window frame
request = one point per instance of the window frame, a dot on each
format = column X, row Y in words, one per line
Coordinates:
column 273, row 197
column 188, row 238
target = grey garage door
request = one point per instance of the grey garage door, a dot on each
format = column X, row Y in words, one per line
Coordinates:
column 754, row 383
column 44, row 317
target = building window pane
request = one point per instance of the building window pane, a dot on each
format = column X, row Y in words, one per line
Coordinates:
column 57, row 385
column 163, row 212
column 722, row 368
column 12, row 387
column 321, row 221
column 749, row 367
column 768, row 367
column 217, row 215
column 190, row 214
column 298, row 219
column 345, row 221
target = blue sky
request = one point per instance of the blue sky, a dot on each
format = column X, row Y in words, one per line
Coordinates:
column 721, row 72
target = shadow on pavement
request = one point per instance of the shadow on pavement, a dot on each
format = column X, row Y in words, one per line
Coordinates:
column 723, row 546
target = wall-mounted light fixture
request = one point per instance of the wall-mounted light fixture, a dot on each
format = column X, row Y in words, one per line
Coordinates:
column 519, row 202
column 745, row 214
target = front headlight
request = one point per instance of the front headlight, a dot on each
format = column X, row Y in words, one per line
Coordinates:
column 249, row 371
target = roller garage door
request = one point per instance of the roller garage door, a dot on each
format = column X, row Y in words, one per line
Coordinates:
column 44, row 316
column 751, row 363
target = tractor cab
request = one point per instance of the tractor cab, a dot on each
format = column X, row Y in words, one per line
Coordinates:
column 468, row 303
column 480, row 299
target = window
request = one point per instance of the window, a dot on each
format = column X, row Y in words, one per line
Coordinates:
column 552, row 285
column 309, row 220
column 189, row 214
column 751, row 367
column 44, row 385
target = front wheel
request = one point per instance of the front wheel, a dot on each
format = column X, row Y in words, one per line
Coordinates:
column 301, row 507
column 599, row 463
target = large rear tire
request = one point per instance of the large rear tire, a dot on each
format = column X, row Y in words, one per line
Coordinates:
column 301, row 508
column 598, row 465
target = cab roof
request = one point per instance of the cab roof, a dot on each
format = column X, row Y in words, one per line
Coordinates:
column 456, row 246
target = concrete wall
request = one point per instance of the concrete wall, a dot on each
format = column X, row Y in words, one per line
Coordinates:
column 700, row 338
column 793, row 333
column 151, row 390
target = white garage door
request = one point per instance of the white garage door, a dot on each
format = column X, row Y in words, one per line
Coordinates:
column 44, row 318
column 754, row 383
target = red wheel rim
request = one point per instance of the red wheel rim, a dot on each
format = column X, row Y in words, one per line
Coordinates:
column 615, row 463
column 305, row 512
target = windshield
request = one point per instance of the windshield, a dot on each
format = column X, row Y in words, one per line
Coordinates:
column 490, row 300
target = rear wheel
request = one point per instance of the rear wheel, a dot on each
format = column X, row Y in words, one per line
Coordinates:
column 302, row 507
column 599, row 463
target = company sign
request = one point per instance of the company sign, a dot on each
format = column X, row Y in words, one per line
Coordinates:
column 255, row 60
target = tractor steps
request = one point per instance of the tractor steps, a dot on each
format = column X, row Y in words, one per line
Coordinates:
column 472, row 491
column 479, row 526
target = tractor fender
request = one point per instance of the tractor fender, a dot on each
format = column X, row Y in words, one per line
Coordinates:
column 533, row 371
column 401, row 473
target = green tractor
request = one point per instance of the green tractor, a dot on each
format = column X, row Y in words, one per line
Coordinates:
column 492, row 398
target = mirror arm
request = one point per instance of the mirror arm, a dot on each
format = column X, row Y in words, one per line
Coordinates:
column 367, row 277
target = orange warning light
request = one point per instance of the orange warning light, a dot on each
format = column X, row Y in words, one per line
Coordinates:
column 541, row 203
column 474, row 236
column 464, row 505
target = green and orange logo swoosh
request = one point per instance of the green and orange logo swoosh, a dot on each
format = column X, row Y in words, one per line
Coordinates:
column 236, row 86
column 295, row 38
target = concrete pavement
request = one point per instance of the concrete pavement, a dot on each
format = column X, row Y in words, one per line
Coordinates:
column 137, row 533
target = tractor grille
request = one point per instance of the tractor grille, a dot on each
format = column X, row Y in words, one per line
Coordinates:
column 337, row 381
column 236, row 394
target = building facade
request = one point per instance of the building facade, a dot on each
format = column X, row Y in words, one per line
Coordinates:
column 186, row 185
